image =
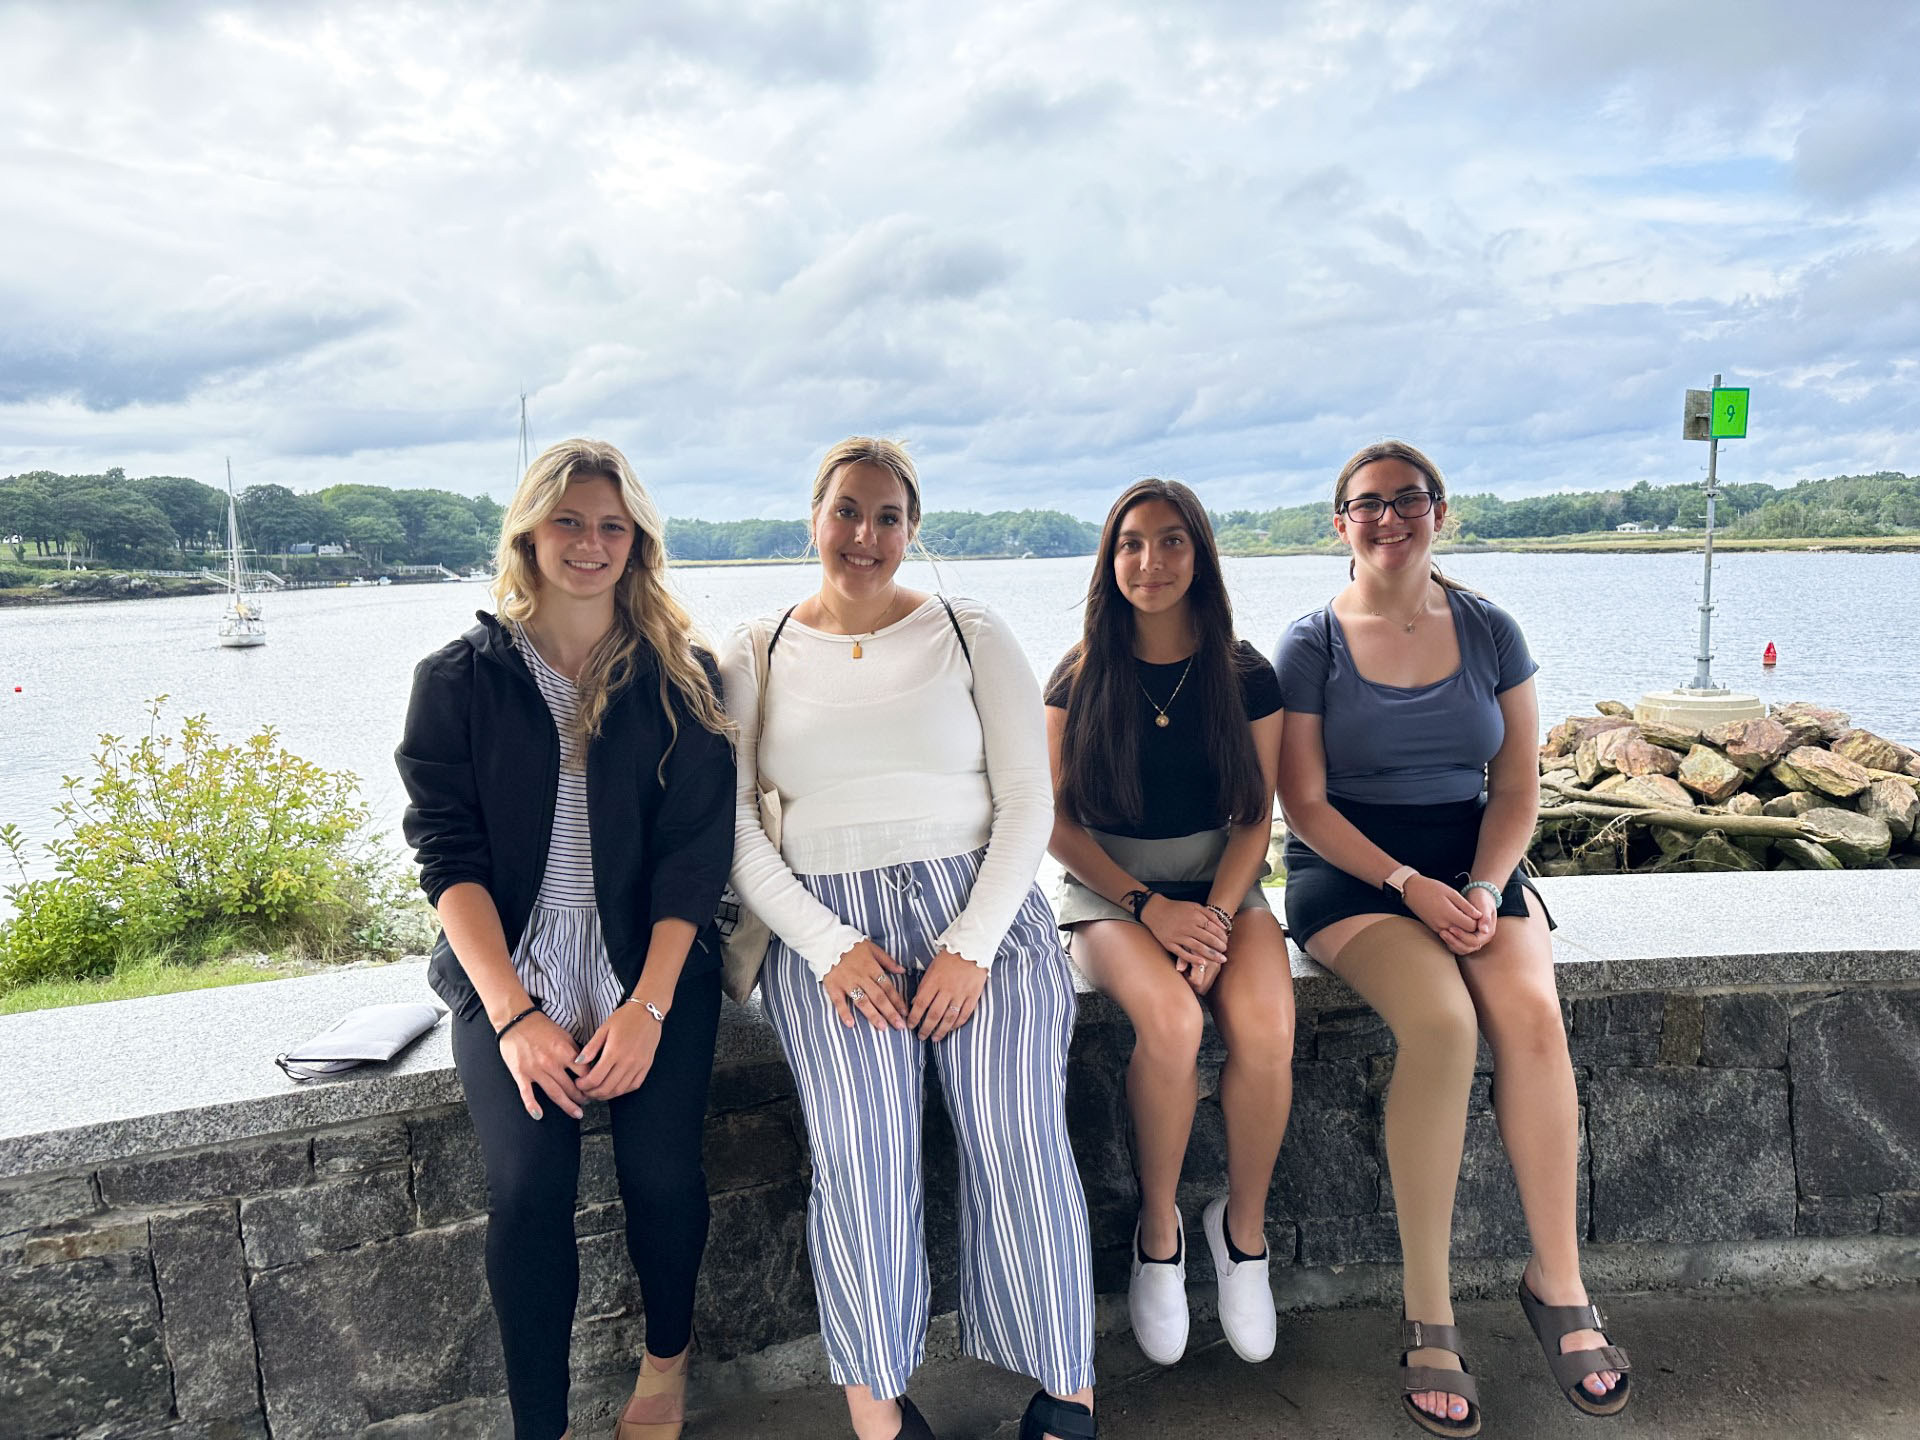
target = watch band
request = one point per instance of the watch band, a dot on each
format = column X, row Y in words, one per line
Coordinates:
column 1397, row 881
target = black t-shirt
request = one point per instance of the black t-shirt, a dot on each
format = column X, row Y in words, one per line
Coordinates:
column 1179, row 782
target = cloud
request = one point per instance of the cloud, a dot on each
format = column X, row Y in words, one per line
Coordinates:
column 1856, row 150
column 1054, row 245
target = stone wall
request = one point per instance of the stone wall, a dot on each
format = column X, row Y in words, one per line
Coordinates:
column 327, row 1280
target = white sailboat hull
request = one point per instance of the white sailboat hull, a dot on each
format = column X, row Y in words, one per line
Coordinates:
column 240, row 640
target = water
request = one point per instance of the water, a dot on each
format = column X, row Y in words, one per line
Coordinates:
column 334, row 677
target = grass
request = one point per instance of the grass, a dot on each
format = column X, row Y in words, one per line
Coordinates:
column 145, row 975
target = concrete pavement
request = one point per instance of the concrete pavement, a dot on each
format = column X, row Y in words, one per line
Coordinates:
column 1752, row 1366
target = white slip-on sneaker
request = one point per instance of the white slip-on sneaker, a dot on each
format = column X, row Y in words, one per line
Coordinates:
column 1157, row 1301
column 1246, row 1299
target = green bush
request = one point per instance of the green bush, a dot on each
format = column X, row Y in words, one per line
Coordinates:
column 188, row 848
column 12, row 575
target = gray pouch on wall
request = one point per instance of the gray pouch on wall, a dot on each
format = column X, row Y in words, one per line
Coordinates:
column 370, row 1034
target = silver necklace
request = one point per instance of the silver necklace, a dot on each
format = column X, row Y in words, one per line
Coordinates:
column 1159, row 710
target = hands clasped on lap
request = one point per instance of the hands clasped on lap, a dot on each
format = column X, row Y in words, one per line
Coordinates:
column 1192, row 934
column 1464, row 923
column 614, row 1062
column 948, row 993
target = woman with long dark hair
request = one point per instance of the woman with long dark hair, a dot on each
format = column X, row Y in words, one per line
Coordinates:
column 1165, row 739
column 570, row 787
column 1411, row 785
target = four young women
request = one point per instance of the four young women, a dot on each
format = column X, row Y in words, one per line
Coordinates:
column 881, row 785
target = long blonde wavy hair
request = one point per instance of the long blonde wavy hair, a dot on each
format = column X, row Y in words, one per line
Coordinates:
column 644, row 609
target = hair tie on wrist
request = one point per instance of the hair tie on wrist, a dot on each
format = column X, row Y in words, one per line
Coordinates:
column 501, row 1033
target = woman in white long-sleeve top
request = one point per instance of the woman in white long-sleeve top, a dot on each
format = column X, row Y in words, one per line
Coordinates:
column 903, row 734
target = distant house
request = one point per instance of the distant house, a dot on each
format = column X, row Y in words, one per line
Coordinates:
column 330, row 550
column 1629, row 527
column 305, row 547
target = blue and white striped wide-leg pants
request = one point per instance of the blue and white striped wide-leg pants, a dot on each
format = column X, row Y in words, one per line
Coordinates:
column 1026, row 1287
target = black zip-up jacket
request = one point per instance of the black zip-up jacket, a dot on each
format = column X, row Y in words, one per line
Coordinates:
column 481, row 763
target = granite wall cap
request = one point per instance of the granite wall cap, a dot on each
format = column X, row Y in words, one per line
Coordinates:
column 176, row 1071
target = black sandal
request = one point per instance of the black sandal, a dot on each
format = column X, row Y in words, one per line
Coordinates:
column 913, row 1425
column 1417, row 1379
column 1551, row 1323
column 1067, row 1419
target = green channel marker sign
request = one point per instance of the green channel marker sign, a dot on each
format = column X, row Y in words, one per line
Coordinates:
column 1730, row 414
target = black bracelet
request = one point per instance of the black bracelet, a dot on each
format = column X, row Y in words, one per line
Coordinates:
column 501, row 1033
column 1136, row 900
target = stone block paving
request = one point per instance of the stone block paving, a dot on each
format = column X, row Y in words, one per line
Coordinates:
column 1783, row 1366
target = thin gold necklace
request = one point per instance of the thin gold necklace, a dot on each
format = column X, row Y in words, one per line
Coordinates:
column 1409, row 623
column 1159, row 710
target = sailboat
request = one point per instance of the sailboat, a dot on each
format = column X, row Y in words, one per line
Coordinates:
column 240, row 622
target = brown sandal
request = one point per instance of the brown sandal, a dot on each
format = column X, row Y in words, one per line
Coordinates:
column 1415, row 1379
column 1552, row 1322
column 671, row 1381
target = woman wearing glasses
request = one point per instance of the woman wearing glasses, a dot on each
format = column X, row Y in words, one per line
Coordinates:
column 1410, row 781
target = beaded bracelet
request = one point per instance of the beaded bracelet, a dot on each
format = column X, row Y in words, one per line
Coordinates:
column 1223, row 917
column 1486, row 885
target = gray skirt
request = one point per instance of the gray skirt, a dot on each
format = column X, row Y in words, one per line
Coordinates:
column 1179, row 861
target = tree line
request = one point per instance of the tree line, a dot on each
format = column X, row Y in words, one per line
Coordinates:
column 162, row 520
column 1880, row 504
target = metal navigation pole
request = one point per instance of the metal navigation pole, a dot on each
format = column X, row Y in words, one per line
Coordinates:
column 1710, row 415
column 1703, row 662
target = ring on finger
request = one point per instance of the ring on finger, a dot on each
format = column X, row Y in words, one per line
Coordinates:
column 856, row 994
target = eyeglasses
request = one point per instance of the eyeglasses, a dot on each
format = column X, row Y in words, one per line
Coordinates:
column 1408, row 505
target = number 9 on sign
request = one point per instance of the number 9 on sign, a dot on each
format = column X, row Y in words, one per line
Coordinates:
column 1730, row 414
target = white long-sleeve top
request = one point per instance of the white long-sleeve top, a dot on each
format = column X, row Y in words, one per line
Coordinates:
column 904, row 754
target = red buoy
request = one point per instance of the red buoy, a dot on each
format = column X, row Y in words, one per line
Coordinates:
column 1771, row 657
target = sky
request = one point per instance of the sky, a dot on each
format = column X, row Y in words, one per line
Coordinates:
column 1052, row 245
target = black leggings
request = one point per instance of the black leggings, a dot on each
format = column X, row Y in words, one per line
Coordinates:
column 533, row 1172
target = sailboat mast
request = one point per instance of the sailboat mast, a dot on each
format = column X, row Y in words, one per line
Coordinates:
column 233, row 537
column 526, row 441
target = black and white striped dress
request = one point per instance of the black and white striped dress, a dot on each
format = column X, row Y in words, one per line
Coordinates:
column 562, row 957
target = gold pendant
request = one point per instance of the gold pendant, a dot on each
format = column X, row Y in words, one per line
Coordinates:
column 856, row 649
column 1162, row 721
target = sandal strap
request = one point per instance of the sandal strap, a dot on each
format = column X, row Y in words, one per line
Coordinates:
column 1566, row 1318
column 1067, row 1419
column 1576, row 1365
column 1417, row 1378
column 1423, row 1335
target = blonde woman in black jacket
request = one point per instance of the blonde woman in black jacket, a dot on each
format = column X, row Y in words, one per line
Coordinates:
column 571, row 784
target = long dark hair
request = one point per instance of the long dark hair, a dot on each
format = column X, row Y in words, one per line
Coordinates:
column 1100, row 749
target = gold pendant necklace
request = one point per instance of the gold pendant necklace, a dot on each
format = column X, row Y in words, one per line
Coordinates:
column 1159, row 710
column 867, row 635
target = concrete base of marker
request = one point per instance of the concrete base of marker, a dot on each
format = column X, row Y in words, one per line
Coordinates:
column 1697, row 709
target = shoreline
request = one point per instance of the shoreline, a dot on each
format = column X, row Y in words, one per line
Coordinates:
column 1660, row 544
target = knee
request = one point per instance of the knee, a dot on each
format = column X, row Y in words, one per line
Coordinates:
column 1442, row 1029
column 529, row 1197
column 1168, row 1036
column 1264, row 1050
column 1530, row 1027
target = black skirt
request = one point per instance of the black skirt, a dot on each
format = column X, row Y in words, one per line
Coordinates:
column 1437, row 840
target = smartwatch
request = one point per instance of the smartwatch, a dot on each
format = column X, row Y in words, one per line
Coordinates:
column 1397, row 881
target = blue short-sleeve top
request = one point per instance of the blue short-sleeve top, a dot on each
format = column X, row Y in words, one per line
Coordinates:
column 1406, row 745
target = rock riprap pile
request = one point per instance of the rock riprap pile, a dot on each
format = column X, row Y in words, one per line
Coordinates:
column 1802, row 788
